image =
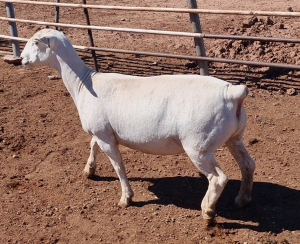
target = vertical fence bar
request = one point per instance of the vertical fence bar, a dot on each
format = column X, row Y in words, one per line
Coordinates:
column 13, row 29
column 57, row 14
column 199, row 43
column 91, row 36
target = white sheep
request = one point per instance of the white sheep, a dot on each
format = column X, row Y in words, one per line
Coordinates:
column 160, row 115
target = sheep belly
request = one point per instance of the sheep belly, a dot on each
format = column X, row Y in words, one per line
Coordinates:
column 163, row 146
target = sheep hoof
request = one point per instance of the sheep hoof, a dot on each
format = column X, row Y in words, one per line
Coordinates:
column 89, row 173
column 241, row 202
column 209, row 217
column 125, row 203
column 210, row 223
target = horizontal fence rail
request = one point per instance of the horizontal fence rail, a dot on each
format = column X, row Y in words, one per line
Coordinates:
column 157, row 32
column 155, row 9
column 177, row 56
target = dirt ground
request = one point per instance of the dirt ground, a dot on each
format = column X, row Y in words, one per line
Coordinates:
column 43, row 149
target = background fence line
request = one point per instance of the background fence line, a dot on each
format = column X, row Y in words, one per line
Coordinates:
column 160, row 32
column 157, row 32
column 177, row 56
column 156, row 9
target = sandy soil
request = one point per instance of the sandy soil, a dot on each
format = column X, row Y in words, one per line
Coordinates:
column 43, row 149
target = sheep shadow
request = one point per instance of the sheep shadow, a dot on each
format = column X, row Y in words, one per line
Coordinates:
column 273, row 208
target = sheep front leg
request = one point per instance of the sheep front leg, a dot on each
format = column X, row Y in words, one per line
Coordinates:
column 247, row 166
column 90, row 166
column 112, row 152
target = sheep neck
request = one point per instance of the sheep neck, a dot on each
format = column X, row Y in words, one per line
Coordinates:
column 74, row 72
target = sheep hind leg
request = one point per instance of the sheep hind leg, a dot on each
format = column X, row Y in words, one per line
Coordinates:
column 90, row 167
column 112, row 152
column 247, row 166
column 217, row 180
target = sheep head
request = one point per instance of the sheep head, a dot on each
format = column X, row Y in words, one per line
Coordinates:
column 40, row 49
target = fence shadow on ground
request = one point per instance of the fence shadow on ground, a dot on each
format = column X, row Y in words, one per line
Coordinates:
column 268, row 79
column 273, row 208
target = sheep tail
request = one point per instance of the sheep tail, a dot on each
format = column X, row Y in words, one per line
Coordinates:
column 237, row 93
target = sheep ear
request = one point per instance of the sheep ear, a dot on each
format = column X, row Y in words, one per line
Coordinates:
column 44, row 40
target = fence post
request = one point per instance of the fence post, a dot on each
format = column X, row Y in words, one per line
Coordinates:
column 91, row 36
column 199, row 43
column 57, row 14
column 13, row 29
